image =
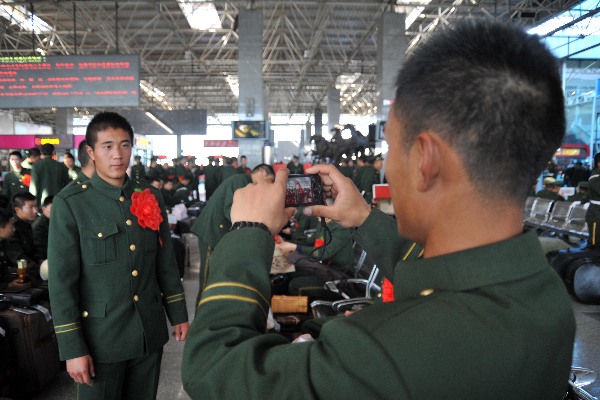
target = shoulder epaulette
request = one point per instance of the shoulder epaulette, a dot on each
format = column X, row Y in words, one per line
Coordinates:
column 74, row 188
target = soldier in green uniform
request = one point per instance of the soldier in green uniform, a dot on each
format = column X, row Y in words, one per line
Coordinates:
column 482, row 311
column 295, row 167
column 582, row 193
column 113, row 275
column 592, row 216
column 227, row 170
column 72, row 169
column 41, row 229
column 48, row 177
column 214, row 220
column 87, row 168
column 361, row 164
column 18, row 178
column 211, row 177
column 345, row 169
column 370, row 176
column 138, row 171
column 33, row 156
column 550, row 190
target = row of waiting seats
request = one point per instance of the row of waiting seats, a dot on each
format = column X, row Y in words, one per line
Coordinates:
column 559, row 217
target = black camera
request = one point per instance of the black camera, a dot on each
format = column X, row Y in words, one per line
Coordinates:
column 304, row 190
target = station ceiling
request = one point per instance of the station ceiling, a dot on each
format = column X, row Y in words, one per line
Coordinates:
column 309, row 46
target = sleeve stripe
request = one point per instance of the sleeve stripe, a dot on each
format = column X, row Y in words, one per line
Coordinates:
column 180, row 298
column 232, row 297
column 67, row 330
column 236, row 285
column 175, row 295
column 65, row 325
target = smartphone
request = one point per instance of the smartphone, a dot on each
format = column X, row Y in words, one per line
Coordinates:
column 304, row 190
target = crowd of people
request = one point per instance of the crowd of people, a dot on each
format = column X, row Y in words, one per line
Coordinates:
column 476, row 305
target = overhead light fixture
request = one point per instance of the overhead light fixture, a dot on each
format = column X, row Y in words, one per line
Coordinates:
column 159, row 122
column 234, row 84
column 201, row 14
column 18, row 15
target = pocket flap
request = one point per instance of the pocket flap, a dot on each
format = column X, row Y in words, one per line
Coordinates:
column 101, row 231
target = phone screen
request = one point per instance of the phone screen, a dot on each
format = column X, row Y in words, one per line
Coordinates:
column 304, row 190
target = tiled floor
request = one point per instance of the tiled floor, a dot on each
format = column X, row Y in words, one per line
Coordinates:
column 170, row 387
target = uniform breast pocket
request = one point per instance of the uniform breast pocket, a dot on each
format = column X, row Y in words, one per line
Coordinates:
column 100, row 244
column 150, row 239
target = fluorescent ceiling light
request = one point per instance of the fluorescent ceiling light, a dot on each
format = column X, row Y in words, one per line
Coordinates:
column 201, row 14
column 154, row 93
column 159, row 122
column 18, row 15
column 234, row 84
column 586, row 27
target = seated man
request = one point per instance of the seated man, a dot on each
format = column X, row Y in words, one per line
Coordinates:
column 7, row 227
column 25, row 211
column 550, row 190
column 481, row 315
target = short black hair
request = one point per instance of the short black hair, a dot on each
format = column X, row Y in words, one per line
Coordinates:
column 5, row 217
column 82, row 154
column 105, row 120
column 266, row 168
column 69, row 155
column 34, row 152
column 494, row 93
column 20, row 198
column 16, row 153
column 47, row 201
column 47, row 149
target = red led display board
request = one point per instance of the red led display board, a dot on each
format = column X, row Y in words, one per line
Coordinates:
column 69, row 81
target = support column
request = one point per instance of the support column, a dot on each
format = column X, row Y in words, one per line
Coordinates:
column 64, row 127
column 318, row 121
column 391, row 49
column 333, row 108
column 251, row 104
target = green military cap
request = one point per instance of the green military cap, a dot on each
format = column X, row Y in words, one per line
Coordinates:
column 549, row 181
column 583, row 184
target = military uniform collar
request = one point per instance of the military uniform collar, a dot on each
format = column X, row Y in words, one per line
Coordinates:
column 112, row 191
column 510, row 260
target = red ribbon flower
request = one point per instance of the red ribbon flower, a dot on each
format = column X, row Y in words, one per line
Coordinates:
column 26, row 179
column 387, row 291
column 145, row 207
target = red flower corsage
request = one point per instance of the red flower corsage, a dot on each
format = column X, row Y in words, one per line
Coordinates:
column 145, row 207
column 26, row 179
column 387, row 291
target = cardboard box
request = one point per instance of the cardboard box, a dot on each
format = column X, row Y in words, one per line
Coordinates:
column 289, row 304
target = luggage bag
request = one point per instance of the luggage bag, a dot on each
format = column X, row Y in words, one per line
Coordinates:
column 31, row 333
column 580, row 272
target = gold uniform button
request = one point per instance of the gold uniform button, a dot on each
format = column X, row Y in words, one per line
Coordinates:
column 378, row 294
column 122, row 199
column 134, row 272
column 132, row 247
column 136, row 298
column 84, row 314
column 426, row 292
column 128, row 222
column 99, row 234
column 221, row 226
column 84, row 186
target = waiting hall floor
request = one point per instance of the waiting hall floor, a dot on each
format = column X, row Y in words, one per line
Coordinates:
column 586, row 352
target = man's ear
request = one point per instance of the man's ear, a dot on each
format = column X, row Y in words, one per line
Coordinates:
column 90, row 152
column 428, row 148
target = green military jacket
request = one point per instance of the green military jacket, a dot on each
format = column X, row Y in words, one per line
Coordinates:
column 225, row 172
column 13, row 183
column 41, row 229
column 550, row 195
column 211, row 180
column 48, row 177
column 110, row 280
column 138, row 172
column 215, row 219
column 368, row 177
column 493, row 322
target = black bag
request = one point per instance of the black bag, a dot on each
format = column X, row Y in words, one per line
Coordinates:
column 32, row 338
column 7, row 362
column 24, row 297
column 195, row 209
column 580, row 272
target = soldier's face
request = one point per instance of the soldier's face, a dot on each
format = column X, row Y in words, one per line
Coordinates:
column 15, row 162
column 28, row 212
column 111, row 155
